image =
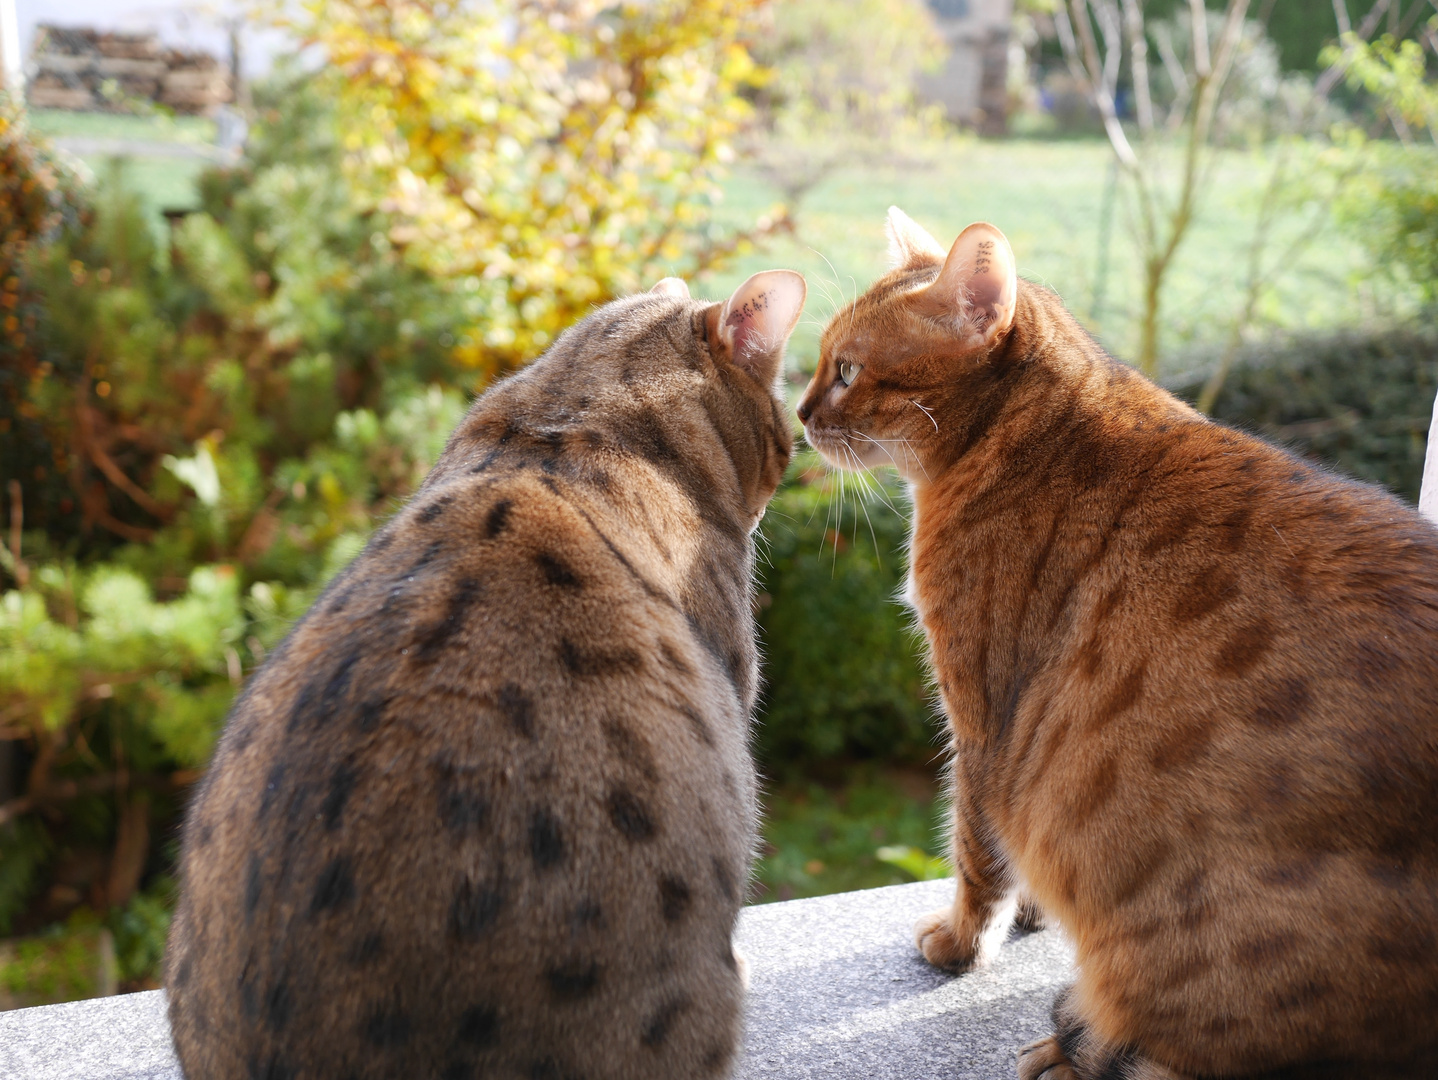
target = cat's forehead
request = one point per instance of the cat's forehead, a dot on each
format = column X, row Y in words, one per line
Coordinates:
column 876, row 315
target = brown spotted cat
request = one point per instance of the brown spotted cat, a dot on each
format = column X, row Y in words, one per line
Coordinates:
column 1191, row 679
column 489, row 810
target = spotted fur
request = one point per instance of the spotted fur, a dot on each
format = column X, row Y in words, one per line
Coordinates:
column 1191, row 682
column 487, row 810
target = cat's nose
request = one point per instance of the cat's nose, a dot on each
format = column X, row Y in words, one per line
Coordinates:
column 805, row 410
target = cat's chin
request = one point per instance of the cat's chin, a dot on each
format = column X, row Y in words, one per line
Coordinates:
column 836, row 451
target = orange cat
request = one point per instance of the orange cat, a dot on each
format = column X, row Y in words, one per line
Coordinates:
column 1192, row 682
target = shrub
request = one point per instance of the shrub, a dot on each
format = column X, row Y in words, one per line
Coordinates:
column 1360, row 401
column 842, row 668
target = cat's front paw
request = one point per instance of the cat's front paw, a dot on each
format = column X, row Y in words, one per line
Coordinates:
column 935, row 937
column 1044, row 1060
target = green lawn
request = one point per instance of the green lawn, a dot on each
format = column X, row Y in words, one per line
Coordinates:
column 821, row 838
column 1048, row 197
column 162, row 182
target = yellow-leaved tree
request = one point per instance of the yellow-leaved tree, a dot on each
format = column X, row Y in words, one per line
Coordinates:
column 543, row 155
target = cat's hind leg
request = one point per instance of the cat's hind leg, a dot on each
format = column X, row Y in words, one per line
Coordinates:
column 1072, row 1052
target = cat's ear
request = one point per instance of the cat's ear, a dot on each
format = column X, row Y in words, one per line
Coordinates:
column 909, row 245
column 672, row 286
column 754, row 324
column 977, row 287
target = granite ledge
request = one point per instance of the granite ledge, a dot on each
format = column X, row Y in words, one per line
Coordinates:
column 837, row 991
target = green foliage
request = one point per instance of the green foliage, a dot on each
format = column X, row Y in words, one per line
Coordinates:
column 1360, row 401
column 917, row 863
column 842, row 667
column 822, row 839
column 548, row 157
column 1393, row 205
column 221, row 420
column 66, row 963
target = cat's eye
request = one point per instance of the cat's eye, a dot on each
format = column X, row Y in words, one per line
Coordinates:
column 848, row 371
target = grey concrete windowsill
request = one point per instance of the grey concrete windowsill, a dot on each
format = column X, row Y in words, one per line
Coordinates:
column 837, row 991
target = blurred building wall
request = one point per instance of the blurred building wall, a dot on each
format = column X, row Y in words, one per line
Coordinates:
column 971, row 86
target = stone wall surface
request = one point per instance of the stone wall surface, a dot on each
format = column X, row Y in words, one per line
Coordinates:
column 837, row 991
column 84, row 69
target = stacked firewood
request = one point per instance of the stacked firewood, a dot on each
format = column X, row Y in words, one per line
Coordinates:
column 94, row 70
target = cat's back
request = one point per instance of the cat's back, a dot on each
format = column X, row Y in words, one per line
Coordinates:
column 488, row 810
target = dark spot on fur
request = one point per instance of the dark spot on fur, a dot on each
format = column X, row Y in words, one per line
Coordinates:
column 460, row 799
column 336, row 689
column 1182, row 746
column 1192, row 899
column 497, row 520
column 1284, row 704
column 271, row 1068
column 433, row 639
column 254, row 883
column 546, row 844
column 334, row 888
column 724, row 878
column 1373, row 665
column 1264, row 951
column 629, row 815
column 434, row 509
column 473, row 910
column 426, row 557
column 658, row 1026
column 1293, row 874
column 597, row 661
column 674, row 898
column 1093, row 794
column 698, row 724
column 1123, row 697
column 386, row 1028
column 272, row 790
column 1205, row 592
column 367, row 949
column 1173, row 530
column 342, row 784
column 588, row 913
column 1301, row 996
column 1245, row 647
column 673, row 660
column 518, row 709
column 382, row 539
column 185, row 972
column 715, row 1059
column 556, row 572
column 369, row 713
column 1232, row 529
column 479, row 1027
column 1143, row 865
column 1392, row 873
column 573, row 981
column 278, row 1005
column 630, row 748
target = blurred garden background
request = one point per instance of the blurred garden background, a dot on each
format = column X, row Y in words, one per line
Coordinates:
column 236, row 329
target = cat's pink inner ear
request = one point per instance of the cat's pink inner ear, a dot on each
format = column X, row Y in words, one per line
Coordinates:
column 910, row 246
column 978, row 285
column 756, row 321
column 672, row 286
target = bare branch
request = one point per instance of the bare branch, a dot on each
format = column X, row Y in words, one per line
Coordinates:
column 1340, row 12
column 1370, row 23
column 1103, row 98
column 1138, row 58
column 1182, row 87
column 1198, row 16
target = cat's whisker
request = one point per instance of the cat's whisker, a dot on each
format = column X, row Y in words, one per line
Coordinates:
column 926, row 412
